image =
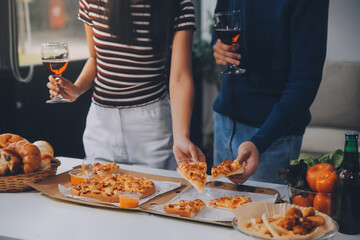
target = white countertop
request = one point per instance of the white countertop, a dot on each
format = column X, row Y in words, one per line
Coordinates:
column 32, row 215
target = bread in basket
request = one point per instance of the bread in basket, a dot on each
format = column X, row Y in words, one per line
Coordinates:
column 22, row 162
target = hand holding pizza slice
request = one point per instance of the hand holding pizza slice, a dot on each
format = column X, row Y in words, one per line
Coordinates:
column 226, row 168
column 195, row 173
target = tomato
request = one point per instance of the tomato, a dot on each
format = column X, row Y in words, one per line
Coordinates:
column 323, row 203
column 313, row 171
column 303, row 201
column 326, row 182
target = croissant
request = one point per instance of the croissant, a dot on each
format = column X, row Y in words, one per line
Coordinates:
column 29, row 153
column 10, row 163
column 47, row 154
column 8, row 138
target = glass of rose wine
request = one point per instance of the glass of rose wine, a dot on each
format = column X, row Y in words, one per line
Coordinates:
column 55, row 57
column 227, row 26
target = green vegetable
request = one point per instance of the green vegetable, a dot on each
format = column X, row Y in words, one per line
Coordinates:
column 334, row 158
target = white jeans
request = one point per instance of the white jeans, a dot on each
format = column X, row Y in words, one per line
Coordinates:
column 140, row 135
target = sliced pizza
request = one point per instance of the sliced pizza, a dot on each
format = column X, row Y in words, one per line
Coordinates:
column 226, row 169
column 194, row 173
column 104, row 169
column 106, row 188
column 185, row 208
column 229, row 202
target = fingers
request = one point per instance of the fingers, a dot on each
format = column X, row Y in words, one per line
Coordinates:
column 189, row 154
column 193, row 153
column 225, row 54
column 53, row 87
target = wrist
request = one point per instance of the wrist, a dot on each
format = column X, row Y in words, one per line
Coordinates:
column 180, row 138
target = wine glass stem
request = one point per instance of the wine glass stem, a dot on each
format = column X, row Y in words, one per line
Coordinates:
column 57, row 78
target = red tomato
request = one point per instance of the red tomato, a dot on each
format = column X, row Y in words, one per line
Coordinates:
column 303, row 201
column 323, row 203
column 313, row 171
column 326, row 182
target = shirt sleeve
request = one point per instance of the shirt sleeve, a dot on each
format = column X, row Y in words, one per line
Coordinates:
column 185, row 20
column 83, row 14
column 307, row 41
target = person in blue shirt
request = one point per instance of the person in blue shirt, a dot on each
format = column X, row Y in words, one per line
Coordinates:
column 260, row 116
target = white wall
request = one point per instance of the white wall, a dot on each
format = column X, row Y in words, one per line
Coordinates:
column 206, row 6
column 343, row 31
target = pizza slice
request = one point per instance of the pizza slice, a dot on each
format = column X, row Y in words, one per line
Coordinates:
column 194, row 173
column 229, row 202
column 104, row 169
column 226, row 168
column 185, row 208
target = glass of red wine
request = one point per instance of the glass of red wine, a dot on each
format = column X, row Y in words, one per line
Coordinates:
column 227, row 26
column 55, row 57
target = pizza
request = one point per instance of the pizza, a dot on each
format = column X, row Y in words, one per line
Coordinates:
column 229, row 202
column 185, row 208
column 226, row 168
column 104, row 169
column 195, row 173
column 106, row 188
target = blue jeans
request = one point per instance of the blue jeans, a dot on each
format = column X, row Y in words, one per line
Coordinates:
column 229, row 134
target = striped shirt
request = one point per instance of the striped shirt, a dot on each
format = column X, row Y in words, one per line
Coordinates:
column 129, row 75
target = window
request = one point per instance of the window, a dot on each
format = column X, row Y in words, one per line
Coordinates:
column 50, row 21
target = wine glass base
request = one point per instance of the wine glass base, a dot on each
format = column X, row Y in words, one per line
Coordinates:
column 232, row 69
column 58, row 100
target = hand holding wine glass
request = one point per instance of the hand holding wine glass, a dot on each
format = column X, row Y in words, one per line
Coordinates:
column 227, row 26
column 55, row 57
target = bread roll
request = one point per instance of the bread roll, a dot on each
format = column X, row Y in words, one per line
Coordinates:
column 29, row 153
column 10, row 163
column 8, row 138
column 47, row 154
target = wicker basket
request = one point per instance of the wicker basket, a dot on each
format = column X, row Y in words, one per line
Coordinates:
column 19, row 183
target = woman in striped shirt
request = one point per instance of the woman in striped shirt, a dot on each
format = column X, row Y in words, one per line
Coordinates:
column 129, row 120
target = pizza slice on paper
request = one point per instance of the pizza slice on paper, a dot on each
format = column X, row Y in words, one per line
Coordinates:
column 185, row 208
column 229, row 202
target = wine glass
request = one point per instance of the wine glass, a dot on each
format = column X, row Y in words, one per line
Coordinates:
column 227, row 26
column 55, row 57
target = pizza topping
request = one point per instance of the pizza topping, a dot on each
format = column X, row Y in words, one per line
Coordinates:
column 104, row 169
column 108, row 186
column 185, row 208
column 229, row 202
column 195, row 173
column 226, row 168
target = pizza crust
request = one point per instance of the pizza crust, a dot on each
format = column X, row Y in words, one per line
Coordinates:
column 147, row 192
column 240, row 171
column 183, row 213
column 185, row 208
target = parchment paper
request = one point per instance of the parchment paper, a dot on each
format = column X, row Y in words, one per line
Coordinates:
column 161, row 187
column 215, row 214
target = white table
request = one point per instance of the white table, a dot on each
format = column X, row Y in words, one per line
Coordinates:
column 31, row 215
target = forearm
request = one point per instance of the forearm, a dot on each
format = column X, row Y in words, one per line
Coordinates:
column 181, row 99
column 181, row 84
column 86, row 78
column 308, row 51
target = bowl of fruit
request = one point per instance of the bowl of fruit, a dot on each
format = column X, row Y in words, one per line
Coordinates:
column 312, row 186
